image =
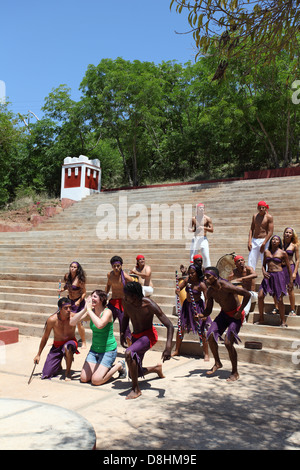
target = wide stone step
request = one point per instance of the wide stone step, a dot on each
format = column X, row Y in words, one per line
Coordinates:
column 33, row 262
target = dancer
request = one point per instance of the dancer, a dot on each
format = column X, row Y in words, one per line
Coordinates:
column 143, row 271
column 200, row 225
column 98, row 367
column 189, row 318
column 116, row 280
column 291, row 247
column 274, row 281
column 244, row 275
column 64, row 344
column 75, row 281
column 261, row 230
column 141, row 310
column 230, row 317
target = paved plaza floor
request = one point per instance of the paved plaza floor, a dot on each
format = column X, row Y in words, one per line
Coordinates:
column 186, row 410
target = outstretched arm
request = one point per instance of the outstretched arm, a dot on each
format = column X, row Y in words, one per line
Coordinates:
column 166, row 355
column 45, row 337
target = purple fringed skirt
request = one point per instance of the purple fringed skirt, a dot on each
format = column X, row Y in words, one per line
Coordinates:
column 275, row 285
column 287, row 277
column 140, row 346
column 188, row 322
column 77, row 308
column 219, row 325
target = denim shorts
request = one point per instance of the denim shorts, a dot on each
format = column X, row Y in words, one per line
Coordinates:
column 106, row 359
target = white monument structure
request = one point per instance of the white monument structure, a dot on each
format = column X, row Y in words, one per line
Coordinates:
column 80, row 177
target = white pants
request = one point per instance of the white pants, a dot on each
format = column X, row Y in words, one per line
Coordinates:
column 147, row 290
column 200, row 243
column 255, row 253
column 253, row 298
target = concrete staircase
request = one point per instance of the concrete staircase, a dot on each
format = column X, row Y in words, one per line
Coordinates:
column 127, row 223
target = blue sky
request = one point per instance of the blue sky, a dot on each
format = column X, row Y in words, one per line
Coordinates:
column 45, row 44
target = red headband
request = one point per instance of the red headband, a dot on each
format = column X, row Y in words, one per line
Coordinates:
column 263, row 203
column 197, row 257
column 140, row 257
column 236, row 258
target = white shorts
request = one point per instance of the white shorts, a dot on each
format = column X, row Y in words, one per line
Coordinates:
column 200, row 243
column 255, row 253
column 147, row 290
column 253, row 298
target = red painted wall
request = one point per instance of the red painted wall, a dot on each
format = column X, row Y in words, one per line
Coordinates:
column 272, row 173
column 90, row 181
column 72, row 181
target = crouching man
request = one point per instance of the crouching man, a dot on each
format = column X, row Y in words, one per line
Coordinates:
column 64, row 344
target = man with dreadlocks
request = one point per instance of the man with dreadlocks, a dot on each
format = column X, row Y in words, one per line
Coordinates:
column 231, row 317
column 141, row 310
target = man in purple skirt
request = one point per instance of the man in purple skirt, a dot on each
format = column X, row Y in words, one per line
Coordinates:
column 230, row 317
column 64, row 344
column 140, row 310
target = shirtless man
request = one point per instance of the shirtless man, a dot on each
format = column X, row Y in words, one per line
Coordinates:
column 244, row 275
column 64, row 344
column 140, row 310
column 261, row 230
column 200, row 225
column 116, row 280
column 143, row 271
column 230, row 317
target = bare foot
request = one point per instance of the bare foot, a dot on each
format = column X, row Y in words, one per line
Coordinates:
column 206, row 358
column 175, row 353
column 68, row 378
column 158, row 370
column 233, row 377
column 214, row 368
column 134, row 394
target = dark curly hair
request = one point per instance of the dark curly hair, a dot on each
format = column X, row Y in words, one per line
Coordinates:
column 80, row 274
column 134, row 288
column 116, row 259
column 198, row 270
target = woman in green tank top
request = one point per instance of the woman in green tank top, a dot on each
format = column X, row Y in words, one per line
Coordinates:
column 98, row 367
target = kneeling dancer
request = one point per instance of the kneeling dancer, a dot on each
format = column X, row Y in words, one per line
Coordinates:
column 231, row 317
column 140, row 310
column 64, row 344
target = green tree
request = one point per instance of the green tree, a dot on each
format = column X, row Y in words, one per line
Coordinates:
column 124, row 99
column 258, row 30
column 12, row 149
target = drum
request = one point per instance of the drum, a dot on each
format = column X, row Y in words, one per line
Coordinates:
column 182, row 295
column 225, row 265
column 134, row 277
